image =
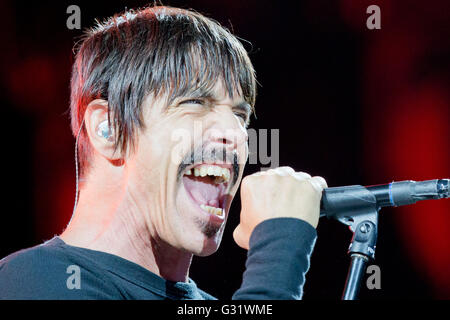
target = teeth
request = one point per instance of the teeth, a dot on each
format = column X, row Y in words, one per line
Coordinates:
column 226, row 174
column 212, row 210
column 222, row 174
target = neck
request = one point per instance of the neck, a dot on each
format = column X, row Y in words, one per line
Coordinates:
column 110, row 221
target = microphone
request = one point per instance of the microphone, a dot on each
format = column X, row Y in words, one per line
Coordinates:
column 350, row 201
column 358, row 206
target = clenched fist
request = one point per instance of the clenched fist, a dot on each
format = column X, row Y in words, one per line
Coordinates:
column 277, row 193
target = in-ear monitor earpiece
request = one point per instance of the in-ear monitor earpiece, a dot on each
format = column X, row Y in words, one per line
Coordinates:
column 104, row 130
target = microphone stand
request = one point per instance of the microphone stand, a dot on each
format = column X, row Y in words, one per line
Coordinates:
column 360, row 213
column 358, row 208
column 361, row 250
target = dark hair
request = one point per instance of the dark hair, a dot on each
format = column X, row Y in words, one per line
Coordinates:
column 157, row 50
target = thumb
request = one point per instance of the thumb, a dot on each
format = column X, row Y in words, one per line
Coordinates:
column 239, row 237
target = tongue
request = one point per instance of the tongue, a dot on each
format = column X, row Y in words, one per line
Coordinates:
column 203, row 190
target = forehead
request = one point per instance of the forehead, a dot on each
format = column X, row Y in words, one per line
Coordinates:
column 217, row 92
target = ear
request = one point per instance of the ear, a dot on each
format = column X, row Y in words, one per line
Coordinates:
column 96, row 122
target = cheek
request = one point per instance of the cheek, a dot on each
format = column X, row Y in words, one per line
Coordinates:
column 243, row 158
column 154, row 147
column 176, row 142
column 148, row 165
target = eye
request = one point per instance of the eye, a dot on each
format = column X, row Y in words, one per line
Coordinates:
column 242, row 115
column 243, row 118
column 192, row 101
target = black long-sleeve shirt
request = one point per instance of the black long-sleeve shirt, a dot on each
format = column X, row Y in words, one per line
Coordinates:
column 277, row 262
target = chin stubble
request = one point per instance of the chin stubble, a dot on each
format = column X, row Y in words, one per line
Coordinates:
column 208, row 229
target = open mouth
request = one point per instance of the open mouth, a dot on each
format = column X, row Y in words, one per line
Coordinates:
column 207, row 185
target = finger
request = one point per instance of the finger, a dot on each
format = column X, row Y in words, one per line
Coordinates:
column 318, row 183
column 301, row 175
column 269, row 172
column 322, row 181
column 285, row 171
column 239, row 238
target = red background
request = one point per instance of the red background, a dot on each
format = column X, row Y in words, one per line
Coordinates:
column 356, row 106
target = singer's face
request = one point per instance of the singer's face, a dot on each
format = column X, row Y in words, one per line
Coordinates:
column 188, row 165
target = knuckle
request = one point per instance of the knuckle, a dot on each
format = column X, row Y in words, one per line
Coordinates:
column 303, row 174
column 281, row 171
column 321, row 181
column 307, row 188
column 316, row 185
column 285, row 169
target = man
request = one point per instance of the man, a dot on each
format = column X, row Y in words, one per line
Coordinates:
column 161, row 99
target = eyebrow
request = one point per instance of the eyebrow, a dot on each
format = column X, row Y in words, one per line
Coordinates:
column 242, row 106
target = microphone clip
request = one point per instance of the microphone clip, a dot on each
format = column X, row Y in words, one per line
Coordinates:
column 364, row 225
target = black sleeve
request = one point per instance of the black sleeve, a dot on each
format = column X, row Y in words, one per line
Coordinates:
column 277, row 260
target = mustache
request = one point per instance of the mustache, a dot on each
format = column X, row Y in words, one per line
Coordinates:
column 200, row 155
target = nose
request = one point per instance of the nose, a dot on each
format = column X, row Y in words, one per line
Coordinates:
column 225, row 129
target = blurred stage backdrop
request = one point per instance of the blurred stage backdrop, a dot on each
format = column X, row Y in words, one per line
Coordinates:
column 354, row 105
